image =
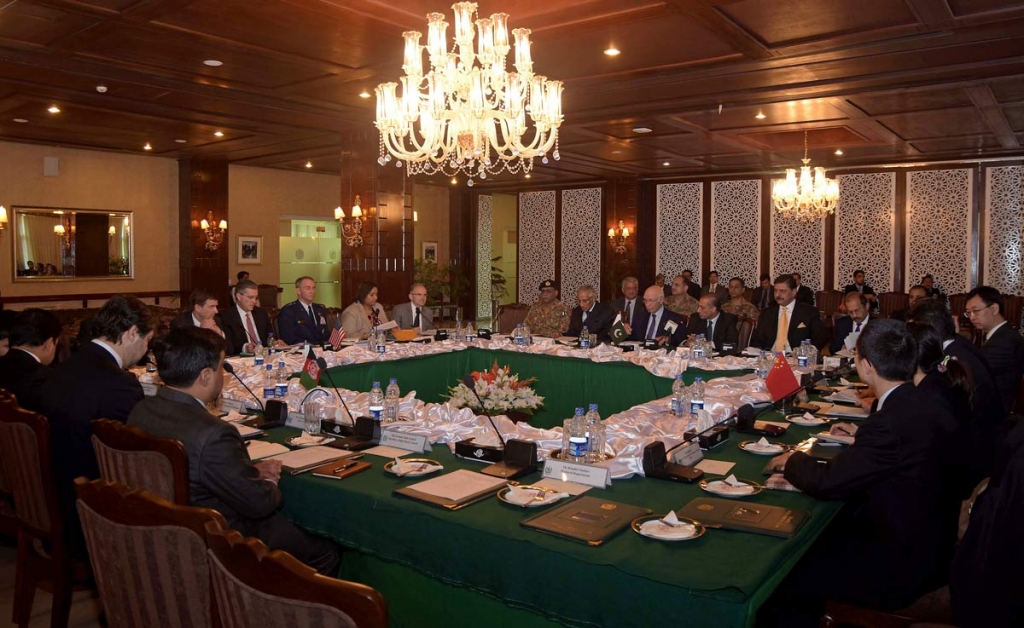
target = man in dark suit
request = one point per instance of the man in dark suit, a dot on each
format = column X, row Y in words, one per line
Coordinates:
column 856, row 318
column 25, row 368
column 1003, row 347
column 221, row 475
column 915, row 294
column 719, row 327
column 302, row 320
column 892, row 539
column 93, row 384
column 245, row 324
column 415, row 314
column 629, row 304
column 802, row 321
column 692, row 288
column 202, row 313
column 657, row 323
column 803, row 293
column 763, row 296
column 858, row 285
column 597, row 317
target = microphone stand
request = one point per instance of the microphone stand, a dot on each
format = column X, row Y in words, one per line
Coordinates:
column 230, row 369
column 519, row 457
column 322, row 363
column 275, row 412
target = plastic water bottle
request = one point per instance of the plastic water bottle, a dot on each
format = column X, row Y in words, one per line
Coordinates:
column 697, row 353
column 527, row 336
column 270, row 346
column 595, row 434
column 578, row 438
column 469, row 334
column 812, row 354
column 697, row 395
column 281, row 378
column 679, row 396
column 376, row 402
column 258, row 354
column 585, row 338
column 381, row 343
column 391, row 397
column 763, row 364
column 269, row 382
column 801, row 354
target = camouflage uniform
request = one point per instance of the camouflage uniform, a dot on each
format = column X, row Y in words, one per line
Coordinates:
column 745, row 309
column 681, row 304
column 551, row 321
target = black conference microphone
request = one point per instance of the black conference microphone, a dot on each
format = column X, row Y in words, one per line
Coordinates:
column 471, row 384
column 230, row 369
column 322, row 363
column 519, row 457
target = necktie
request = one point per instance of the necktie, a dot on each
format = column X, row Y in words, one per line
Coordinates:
column 858, row 327
column 312, row 316
column 416, row 320
column 782, row 334
column 711, row 330
column 249, row 329
column 629, row 312
column 585, row 312
column 652, row 327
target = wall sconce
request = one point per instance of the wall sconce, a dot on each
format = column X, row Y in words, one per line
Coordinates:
column 353, row 229
column 618, row 238
column 110, row 233
column 3, row 217
column 214, row 235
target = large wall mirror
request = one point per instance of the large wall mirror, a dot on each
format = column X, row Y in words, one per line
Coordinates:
column 54, row 243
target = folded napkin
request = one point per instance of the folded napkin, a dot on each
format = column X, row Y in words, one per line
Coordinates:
column 306, row 439
column 529, row 497
column 234, row 416
column 731, row 486
column 669, row 528
column 405, row 467
column 764, row 445
column 808, row 419
column 845, row 382
column 778, row 482
column 704, row 420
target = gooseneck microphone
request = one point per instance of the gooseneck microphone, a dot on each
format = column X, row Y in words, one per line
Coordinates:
column 230, row 369
column 471, row 384
column 322, row 363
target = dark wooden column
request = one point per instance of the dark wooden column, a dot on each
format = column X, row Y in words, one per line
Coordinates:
column 202, row 188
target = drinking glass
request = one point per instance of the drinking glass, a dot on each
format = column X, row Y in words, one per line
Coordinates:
column 311, row 415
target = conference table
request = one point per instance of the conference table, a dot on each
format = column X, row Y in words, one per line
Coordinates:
column 477, row 565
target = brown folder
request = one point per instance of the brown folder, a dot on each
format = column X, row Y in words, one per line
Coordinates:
column 744, row 516
column 589, row 519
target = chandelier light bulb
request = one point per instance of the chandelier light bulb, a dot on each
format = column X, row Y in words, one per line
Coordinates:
column 810, row 197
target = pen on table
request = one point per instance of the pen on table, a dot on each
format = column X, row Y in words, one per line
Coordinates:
column 351, row 463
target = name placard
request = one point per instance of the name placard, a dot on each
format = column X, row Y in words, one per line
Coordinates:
column 688, row 454
column 296, row 420
column 230, row 405
column 566, row 471
column 403, row 440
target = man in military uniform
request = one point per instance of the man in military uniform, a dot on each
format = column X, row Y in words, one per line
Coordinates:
column 548, row 316
column 302, row 320
column 681, row 302
column 737, row 304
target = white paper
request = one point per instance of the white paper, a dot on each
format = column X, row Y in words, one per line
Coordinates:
column 233, row 416
column 310, row 457
column 245, row 431
column 571, row 488
column 844, row 439
column 459, row 485
column 259, row 449
column 852, row 412
column 386, row 452
column 715, row 467
column 851, row 340
column 386, row 326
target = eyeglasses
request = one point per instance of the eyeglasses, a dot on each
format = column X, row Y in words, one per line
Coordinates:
column 969, row 312
column 417, row 294
column 249, row 297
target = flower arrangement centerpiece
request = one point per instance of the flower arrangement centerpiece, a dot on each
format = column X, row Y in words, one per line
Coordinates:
column 500, row 390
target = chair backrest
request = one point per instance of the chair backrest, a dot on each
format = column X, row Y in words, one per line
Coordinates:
column 255, row 587
column 132, row 457
column 828, row 302
column 511, row 315
column 148, row 556
column 1012, row 309
column 889, row 302
column 746, row 326
column 26, row 454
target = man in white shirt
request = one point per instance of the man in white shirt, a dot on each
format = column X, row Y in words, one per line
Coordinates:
column 414, row 314
column 203, row 313
column 628, row 303
column 245, row 325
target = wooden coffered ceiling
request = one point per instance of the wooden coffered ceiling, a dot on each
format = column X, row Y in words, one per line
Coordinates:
column 884, row 80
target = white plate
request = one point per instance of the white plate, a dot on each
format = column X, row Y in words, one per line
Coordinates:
column 319, row 440
column 773, row 449
column 799, row 419
column 549, row 496
column 722, row 489
column 426, row 467
column 670, row 533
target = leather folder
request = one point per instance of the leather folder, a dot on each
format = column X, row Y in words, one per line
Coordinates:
column 589, row 519
column 744, row 516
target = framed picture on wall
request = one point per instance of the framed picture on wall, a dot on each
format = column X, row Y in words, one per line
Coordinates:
column 430, row 251
column 250, row 249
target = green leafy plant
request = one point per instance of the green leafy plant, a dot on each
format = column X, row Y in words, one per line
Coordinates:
column 498, row 288
column 441, row 282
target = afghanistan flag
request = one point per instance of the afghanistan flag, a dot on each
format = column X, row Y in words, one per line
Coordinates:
column 781, row 381
column 310, row 376
column 618, row 331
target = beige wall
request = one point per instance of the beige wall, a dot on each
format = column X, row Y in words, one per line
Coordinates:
column 259, row 197
column 431, row 205
column 147, row 186
column 505, row 217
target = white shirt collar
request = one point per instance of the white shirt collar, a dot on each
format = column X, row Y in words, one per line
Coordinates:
column 196, row 321
column 34, row 356
column 885, row 396
column 110, row 350
column 242, row 314
column 714, row 321
column 305, row 305
column 946, row 343
column 789, row 309
column 989, row 334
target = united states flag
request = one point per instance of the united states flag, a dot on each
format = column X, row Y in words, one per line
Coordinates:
column 337, row 334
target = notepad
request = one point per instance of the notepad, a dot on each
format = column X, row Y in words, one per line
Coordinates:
column 259, row 449
column 247, row 432
column 300, row 460
column 454, row 490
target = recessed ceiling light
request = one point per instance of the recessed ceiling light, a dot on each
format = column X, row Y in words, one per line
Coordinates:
column 527, row 176
column 54, row 109
column 20, row 120
column 641, row 129
column 665, row 163
column 839, row 151
column 616, row 152
column 364, row 94
column 760, row 115
column 180, row 141
column 101, row 88
column 219, row 133
column 612, row 51
column 309, row 164
column 213, row 63
column 147, row 146
column 454, row 180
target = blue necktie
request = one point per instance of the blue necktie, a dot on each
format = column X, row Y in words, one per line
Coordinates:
column 651, row 328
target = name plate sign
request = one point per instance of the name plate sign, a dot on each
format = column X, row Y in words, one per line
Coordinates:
column 403, row 440
column 296, row 420
column 229, row 405
column 566, row 471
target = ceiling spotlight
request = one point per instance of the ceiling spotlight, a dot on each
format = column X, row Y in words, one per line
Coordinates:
column 364, row 94
column 54, row 109
column 760, row 115
column 839, row 151
column 665, row 163
column 180, row 141
column 213, row 63
column 612, row 51
column 20, row 120
column 527, row 176
column 219, row 133
column 101, row 89
column 309, row 164
column 148, row 146
column 641, row 129
column 616, row 152
column 454, row 180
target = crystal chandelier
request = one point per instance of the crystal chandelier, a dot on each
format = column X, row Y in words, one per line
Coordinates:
column 468, row 114
column 812, row 197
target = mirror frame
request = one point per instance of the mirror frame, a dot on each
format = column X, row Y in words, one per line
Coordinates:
column 37, row 209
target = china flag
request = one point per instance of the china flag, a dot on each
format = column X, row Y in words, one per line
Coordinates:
column 781, row 381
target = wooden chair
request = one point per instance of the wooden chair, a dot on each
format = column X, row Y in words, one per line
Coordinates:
column 1012, row 309
column 8, row 520
column 253, row 585
column 511, row 315
column 889, row 302
column 148, row 556
column 828, row 302
column 27, row 457
column 957, row 307
column 132, row 457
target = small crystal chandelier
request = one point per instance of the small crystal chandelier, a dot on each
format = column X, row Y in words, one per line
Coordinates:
column 812, row 197
column 468, row 114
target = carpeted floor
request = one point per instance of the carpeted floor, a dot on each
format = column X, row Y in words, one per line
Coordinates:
column 85, row 610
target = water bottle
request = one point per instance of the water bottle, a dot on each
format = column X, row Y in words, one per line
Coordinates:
column 578, row 438
column 270, row 346
column 528, row 337
column 697, row 395
column 150, row 362
column 258, row 354
column 376, row 402
column 763, row 364
column 812, row 354
column 269, row 382
column 381, row 342
column 679, row 396
column 469, row 334
column 281, row 379
column 391, row 397
column 801, row 354
column 585, row 338
column 595, row 434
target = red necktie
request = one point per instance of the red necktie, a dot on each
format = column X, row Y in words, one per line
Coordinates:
column 253, row 338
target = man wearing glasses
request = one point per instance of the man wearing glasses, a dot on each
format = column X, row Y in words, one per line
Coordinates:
column 596, row 317
column 414, row 314
column 245, row 325
column 658, row 323
column 1003, row 347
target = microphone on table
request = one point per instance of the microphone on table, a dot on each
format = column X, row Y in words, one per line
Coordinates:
column 230, row 369
column 519, row 456
column 275, row 412
column 322, row 363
